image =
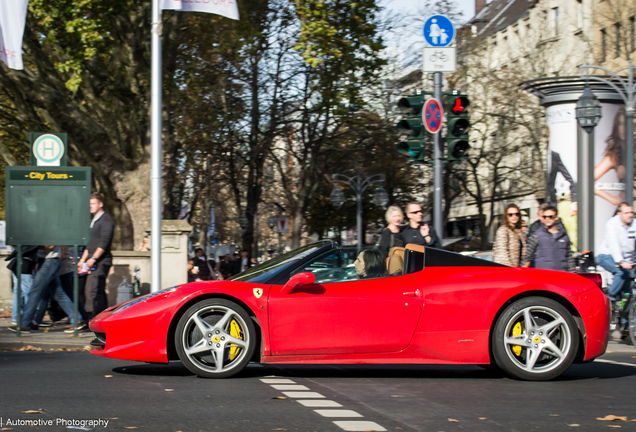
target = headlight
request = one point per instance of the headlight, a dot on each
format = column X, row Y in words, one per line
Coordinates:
column 143, row 298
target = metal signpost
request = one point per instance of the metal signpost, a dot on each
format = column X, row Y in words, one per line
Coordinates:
column 439, row 33
column 47, row 206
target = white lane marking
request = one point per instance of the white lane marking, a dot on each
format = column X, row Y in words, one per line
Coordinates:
column 338, row 413
column 303, row 395
column 359, row 426
column 322, row 403
column 615, row 362
column 289, row 387
column 278, row 381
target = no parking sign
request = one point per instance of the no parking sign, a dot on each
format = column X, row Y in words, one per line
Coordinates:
column 433, row 115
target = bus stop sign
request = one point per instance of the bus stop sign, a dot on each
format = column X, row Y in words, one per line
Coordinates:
column 48, row 205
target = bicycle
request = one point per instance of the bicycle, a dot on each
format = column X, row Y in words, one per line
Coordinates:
column 623, row 312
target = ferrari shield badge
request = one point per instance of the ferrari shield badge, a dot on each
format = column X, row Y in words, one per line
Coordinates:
column 258, row 292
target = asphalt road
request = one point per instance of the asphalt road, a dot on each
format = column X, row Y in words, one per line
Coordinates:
column 136, row 396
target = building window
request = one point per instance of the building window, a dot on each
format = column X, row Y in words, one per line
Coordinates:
column 555, row 24
column 617, row 45
column 603, row 45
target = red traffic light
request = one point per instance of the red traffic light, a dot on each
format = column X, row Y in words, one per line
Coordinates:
column 460, row 105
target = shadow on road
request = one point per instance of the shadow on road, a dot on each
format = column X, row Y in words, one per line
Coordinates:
column 577, row 372
column 154, row 369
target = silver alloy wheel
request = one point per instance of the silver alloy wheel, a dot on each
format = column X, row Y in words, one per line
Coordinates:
column 207, row 341
column 545, row 341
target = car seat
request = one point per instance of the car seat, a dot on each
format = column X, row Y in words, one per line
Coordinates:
column 395, row 261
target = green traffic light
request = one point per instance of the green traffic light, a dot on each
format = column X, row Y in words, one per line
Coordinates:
column 411, row 104
column 413, row 126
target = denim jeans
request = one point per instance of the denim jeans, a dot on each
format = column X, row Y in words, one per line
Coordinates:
column 621, row 280
column 54, row 290
column 26, row 281
column 45, row 275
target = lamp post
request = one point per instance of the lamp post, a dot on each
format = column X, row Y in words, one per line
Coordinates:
column 358, row 185
column 588, row 114
column 626, row 88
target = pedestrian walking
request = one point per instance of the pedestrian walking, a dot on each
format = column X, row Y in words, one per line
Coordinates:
column 97, row 256
column 616, row 253
column 510, row 244
column 550, row 246
column 45, row 283
column 416, row 231
column 29, row 260
column 391, row 236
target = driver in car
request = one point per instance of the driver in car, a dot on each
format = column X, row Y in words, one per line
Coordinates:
column 370, row 264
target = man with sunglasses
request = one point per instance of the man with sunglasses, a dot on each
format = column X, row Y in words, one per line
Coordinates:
column 417, row 232
column 550, row 246
column 616, row 253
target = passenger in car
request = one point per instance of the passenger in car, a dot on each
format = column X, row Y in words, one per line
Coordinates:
column 370, row 264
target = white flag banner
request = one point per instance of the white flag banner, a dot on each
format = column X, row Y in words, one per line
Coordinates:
column 226, row 8
column 12, row 21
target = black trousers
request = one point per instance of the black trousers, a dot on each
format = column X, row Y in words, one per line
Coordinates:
column 98, row 286
column 67, row 285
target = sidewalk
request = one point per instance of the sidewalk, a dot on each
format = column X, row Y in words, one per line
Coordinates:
column 52, row 338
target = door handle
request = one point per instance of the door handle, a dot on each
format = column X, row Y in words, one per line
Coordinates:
column 415, row 293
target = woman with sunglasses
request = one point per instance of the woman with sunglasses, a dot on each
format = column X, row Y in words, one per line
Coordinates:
column 510, row 244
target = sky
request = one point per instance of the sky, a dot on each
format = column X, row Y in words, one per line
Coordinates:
column 467, row 6
column 415, row 36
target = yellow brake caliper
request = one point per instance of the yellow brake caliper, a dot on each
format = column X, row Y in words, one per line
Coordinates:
column 235, row 331
column 516, row 331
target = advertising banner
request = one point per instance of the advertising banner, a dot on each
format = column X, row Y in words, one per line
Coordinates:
column 609, row 168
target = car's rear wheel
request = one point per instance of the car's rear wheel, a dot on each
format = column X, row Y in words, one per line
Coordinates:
column 535, row 339
column 215, row 338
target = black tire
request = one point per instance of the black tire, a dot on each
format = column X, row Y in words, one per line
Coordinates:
column 202, row 338
column 543, row 353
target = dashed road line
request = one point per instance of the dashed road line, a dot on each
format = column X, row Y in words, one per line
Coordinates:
column 289, row 387
column 355, row 426
column 338, row 413
column 316, row 400
column 313, row 395
column 319, row 403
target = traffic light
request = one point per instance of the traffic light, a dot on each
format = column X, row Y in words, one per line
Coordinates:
column 457, row 125
column 415, row 144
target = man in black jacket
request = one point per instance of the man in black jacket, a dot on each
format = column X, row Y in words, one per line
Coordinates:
column 97, row 256
column 417, row 232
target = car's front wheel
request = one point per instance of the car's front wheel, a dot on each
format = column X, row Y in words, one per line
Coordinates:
column 215, row 338
column 535, row 339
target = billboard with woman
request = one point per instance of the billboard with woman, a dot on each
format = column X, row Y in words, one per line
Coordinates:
column 609, row 165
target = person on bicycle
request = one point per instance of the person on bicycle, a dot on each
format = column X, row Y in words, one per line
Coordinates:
column 617, row 250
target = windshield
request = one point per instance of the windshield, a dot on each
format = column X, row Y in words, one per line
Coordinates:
column 265, row 272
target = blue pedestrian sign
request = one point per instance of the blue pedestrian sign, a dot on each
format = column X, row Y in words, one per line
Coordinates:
column 439, row 31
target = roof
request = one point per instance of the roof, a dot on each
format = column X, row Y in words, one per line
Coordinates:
column 499, row 14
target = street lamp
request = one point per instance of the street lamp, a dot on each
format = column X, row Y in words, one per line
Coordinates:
column 358, row 185
column 243, row 221
column 337, row 197
column 380, row 197
column 588, row 110
column 588, row 114
column 271, row 221
column 626, row 88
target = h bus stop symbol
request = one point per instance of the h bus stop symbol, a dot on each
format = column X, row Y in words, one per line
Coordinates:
column 48, row 149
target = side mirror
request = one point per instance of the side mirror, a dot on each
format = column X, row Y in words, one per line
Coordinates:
column 299, row 280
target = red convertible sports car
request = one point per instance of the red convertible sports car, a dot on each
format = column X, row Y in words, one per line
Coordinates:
column 309, row 307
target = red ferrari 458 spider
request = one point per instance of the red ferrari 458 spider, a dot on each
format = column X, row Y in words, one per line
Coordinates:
column 309, row 306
